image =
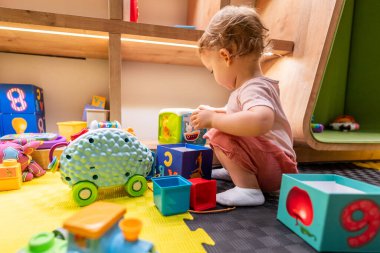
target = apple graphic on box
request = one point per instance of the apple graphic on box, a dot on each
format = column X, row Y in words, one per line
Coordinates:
column 299, row 206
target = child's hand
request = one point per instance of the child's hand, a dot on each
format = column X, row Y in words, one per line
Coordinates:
column 202, row 118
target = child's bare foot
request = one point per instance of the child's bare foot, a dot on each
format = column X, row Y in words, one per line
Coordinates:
column 241, row 197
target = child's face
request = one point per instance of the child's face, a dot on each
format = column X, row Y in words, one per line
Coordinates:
column 218, row 62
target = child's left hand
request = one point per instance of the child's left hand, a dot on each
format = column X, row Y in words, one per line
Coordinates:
column 202, row 119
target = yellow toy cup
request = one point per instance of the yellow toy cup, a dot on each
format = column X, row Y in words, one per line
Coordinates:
column 131, row 228
column 68, row 128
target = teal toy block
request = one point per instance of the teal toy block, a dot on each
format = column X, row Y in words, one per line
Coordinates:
column 171, row 194
column 330, row 212
column 174, row 127
column 187, row 160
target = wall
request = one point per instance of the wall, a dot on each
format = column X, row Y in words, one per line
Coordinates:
column 149, row 87
column 69, row 84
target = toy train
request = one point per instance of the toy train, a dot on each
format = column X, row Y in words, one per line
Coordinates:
column 99, row 227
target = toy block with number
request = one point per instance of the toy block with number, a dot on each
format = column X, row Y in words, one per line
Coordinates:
column 187, row 160
column 21, row 98
column 22, row 108
column 174, row 127
column 330, row 212
column 23, row 123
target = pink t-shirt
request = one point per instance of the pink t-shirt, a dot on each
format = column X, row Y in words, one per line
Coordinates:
column 263, row 91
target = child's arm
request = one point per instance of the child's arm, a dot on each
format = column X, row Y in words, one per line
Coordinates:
column 214, row 109
column 257, row 121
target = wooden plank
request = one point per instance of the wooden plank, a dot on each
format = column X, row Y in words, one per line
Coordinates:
column 115, row 9
column 200, row 12
column 307, row 154
column 115, row 65
column 52, row 44
column 277, row 48
column 167, row 54
column 96, row 24
column 79, row 47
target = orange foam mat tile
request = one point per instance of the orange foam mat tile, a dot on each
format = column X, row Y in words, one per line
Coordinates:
column 44, row 203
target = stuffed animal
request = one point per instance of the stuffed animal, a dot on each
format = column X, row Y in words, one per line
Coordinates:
column 21, row 152
column 344, row 123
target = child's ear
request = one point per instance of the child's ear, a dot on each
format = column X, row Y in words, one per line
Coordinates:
column 226, row 56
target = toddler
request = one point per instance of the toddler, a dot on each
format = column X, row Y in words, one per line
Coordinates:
column 251, row 135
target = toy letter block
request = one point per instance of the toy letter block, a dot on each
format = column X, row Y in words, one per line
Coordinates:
column 171, row 194
column 99, row 101
column 187, row 160
column 21, row 98
column 174, row 127
column 10, row 175
column 202, row 194
column 330, row 212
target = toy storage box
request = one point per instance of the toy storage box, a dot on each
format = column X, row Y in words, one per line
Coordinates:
column 171, row 194
column 187, row 160
column 331, row 212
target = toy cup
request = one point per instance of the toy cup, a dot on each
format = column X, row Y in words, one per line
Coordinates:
column 131, row 228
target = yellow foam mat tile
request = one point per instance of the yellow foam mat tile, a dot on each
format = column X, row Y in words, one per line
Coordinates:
column 369, row 165
column 44, row 203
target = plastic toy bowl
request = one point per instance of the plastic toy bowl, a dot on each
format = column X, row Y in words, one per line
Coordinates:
column 131, row 228
column 68, row 128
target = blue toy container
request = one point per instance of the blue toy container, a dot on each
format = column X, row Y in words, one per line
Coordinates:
column 171, row 194
column 187, row 160
column 330, row 212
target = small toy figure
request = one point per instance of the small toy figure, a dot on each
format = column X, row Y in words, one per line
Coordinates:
column 21, row 152
column 99, row 228
column 344, row 123
column 316, row 127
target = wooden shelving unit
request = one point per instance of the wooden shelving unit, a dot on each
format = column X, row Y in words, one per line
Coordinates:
column 33, row 32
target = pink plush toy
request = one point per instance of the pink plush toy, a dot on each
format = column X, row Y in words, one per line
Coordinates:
column 13, row 150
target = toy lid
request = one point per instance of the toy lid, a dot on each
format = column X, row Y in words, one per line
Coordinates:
column 94, row 220
column 178, row 111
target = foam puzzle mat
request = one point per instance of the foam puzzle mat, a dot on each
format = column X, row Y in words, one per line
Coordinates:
column 44, row 203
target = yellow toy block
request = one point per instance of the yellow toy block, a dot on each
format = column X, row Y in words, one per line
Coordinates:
column 98, row 101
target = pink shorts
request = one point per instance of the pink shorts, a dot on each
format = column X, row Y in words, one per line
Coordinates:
column 258, row 154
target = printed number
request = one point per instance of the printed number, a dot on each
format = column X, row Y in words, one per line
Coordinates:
column 41, row 125
column 370, row 219
column 38, row 94
column 168, row 162
column 17, row 98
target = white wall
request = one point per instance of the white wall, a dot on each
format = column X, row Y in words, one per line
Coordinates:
column 69, row 84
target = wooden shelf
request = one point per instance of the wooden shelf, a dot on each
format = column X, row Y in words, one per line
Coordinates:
column 83, row 37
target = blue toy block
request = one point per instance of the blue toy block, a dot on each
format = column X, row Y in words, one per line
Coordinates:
column 1, row 125
column 330, row 212
column 21, row 98
column 174, row 127
column 32, row 123
column 171, row 194
column 187, row 160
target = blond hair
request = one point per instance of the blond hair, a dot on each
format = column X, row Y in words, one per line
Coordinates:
column 236, row 28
